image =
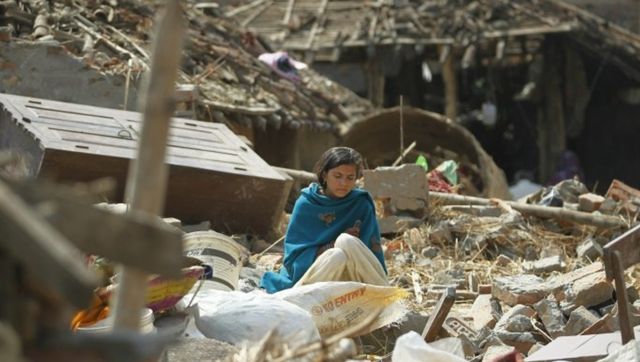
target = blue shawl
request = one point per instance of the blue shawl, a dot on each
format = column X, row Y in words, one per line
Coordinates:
column 317, row 220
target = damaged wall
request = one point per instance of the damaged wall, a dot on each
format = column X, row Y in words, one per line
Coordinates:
column 47, row 70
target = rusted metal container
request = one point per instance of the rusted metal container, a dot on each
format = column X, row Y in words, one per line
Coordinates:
column 213, row 175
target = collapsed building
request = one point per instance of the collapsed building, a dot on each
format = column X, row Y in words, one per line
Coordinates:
column 531, row 79
column 95, row 54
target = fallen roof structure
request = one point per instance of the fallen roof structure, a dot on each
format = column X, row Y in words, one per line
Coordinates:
column 329, row 28
column 222, row 79
column 549, row 71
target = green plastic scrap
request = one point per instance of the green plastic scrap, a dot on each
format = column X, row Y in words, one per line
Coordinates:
column 449, row 170
column 422, row 161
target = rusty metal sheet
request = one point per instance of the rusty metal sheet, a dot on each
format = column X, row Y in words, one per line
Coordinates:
column 213, row 174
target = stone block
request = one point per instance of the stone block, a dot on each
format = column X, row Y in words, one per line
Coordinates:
column 519, row 289
column 521, row 341
column 560, row 281
column 551, row 316
column 496, row 351
column 402, row 203
column 579, row 320
column 589, row 202
column 546, row 265
column 483, row 313
column 518, row 310
column 587, row 291
column 519, row 323
column 407, row 180
column 589, row 249
column 395, row 224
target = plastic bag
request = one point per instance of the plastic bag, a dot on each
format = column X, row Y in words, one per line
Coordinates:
column 337, row 306
column 411, row 347
column 236, row 318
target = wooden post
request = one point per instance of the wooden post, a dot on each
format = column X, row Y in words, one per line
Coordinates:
column 440, row 312
column 576, row 91
column 375, row 82
column 551, row 129
column 450, row 83
column 146, row 184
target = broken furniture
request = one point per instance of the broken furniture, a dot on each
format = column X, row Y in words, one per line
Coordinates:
column 619, row 254
column 213, row 175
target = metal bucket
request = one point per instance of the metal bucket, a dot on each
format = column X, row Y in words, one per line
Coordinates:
column 218, row 251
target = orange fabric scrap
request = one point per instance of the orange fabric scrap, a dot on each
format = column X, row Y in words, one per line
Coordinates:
column 98, row 311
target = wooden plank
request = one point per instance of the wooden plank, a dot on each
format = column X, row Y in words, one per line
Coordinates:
column 626, row 328
column 450, row 79
column 581, row 348
column 628, row 245
column 123, row 239
column 48, row 255
column 439, row 315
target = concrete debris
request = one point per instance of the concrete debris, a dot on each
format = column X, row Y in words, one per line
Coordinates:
column 519, row 289
column 403, row 193
column 587, row 291
column 546, row 265
column 579, row 320
column 483, row 314
column 589, row 249
column 551, row 316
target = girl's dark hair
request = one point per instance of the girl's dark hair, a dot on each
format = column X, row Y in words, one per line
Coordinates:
column 334, row 157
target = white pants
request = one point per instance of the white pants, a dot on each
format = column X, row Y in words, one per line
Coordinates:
column 348, row 260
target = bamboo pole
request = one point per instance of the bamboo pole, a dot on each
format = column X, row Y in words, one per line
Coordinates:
column 404, row 154
column 604, row 221
column 146, row 183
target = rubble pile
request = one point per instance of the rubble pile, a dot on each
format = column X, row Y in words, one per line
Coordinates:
column 328, row 28
column 520, row 281
column 221, row 70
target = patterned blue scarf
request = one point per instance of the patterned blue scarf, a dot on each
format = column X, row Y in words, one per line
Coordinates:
column 317, row 220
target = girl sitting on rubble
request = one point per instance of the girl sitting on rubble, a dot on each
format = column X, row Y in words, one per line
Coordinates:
column 333, row 233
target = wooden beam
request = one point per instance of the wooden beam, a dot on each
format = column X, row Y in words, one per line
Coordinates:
column 146, row 185
column 551, row 126
column 298, row 175
column 603, row 221
column 243, row 8
column 122, row 239
column 626, row 328
column 49, row 257
column 450, row 80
